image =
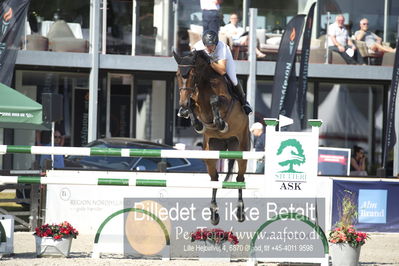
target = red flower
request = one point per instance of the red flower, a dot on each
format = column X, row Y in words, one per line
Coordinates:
column 56, row 231
column 215, row 236
column 348, row 234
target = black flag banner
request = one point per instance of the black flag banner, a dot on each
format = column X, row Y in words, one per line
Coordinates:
column 390, row 133
column 12, row 20
column 303, row 67
column 283, row 93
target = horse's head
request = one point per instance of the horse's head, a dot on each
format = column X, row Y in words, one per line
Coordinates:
column 186, row 77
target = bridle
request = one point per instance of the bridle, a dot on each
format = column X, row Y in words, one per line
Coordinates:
column 184, row 80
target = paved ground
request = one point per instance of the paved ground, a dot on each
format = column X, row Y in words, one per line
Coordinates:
column 381, row 249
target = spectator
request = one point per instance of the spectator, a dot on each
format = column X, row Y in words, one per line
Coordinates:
column 372, row 40
column 340, row 42
column 358, row 162
column 58, row 159
column 259, row 144
column 210, row 15
column 238, row 34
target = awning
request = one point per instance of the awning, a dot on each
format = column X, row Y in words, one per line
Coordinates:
column 19, row 111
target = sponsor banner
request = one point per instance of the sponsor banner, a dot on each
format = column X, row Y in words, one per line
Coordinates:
column 390, row 133
column 303, row 69
column 152, row 222
column 372, row 206
column 333, row 161
column 291, row 162
column 284, row 75
column 12, row 20
column 81, row 114
column 86, row 206
column 376, row 202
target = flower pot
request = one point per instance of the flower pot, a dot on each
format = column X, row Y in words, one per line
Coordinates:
column 50, row 247
column 343, row 254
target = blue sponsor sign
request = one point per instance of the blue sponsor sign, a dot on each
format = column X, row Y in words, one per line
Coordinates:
column 372, row 206
column 377, row 204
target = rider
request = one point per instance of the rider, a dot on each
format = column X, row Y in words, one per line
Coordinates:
column 222, row 62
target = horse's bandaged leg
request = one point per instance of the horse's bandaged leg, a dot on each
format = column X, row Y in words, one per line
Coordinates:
column 217, row 119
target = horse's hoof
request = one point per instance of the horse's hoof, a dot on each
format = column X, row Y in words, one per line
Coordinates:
column 215, row 218
column 199, row 128
column 226, row 128
column 240, row 216
column 214, row 213
column 183, row 112
column 240, row 212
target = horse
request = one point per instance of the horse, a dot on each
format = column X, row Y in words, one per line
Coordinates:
column 216, row 114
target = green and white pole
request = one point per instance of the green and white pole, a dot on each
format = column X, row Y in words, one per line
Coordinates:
column 130, row 181
column 154, row 153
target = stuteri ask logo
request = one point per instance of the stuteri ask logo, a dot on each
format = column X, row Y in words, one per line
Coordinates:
column 290, row 157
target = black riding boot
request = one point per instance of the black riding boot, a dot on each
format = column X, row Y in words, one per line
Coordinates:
column 241, row 97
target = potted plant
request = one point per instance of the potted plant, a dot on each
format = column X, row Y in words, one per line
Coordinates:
column 54, row 239
column 214, row 236
column 345, row 240
column 213, row 243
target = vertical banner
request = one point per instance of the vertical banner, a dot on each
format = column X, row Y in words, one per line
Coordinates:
column 390, row 134
column 282, row 93
column 81, row 117
column 303, row 69
column 12, row 20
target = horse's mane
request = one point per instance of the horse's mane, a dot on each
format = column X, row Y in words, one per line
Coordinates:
column 204, row 71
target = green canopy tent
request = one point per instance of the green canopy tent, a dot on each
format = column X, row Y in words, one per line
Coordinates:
column 20, row 111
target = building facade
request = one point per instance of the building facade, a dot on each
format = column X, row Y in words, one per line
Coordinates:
column 117, row 76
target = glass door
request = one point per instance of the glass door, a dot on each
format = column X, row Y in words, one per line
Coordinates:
column 153, row 109
column 119, row 105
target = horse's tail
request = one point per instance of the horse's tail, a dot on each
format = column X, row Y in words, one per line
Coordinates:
column 230, row 169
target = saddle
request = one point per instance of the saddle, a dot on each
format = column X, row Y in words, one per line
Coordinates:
column 230, row 87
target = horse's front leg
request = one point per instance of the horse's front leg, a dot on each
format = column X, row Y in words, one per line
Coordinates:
column 212, row 171
column 197, row 125
column 221, row 125
column 188, row 112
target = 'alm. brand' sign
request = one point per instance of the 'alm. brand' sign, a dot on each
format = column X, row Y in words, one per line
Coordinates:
column 291, row 159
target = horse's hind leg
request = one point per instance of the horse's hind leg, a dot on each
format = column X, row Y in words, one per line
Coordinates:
column 242, row 168
column 212, row 171
column 214, row 208
column 221, row 125
column 213, row 144
column 240, row 207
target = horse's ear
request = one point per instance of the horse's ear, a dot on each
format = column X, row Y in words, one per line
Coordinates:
column 177, row 58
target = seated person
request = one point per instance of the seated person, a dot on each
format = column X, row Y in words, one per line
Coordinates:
column 372, row 40
column 358, row 162
column 238, row 34
column 58, row 141
column 340, row 42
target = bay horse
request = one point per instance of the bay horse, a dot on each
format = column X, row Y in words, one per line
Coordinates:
column 215, row 114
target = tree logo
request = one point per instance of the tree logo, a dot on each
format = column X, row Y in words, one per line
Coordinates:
column 291, row 152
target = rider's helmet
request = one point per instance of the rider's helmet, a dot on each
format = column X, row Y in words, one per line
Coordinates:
column 210, row 37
